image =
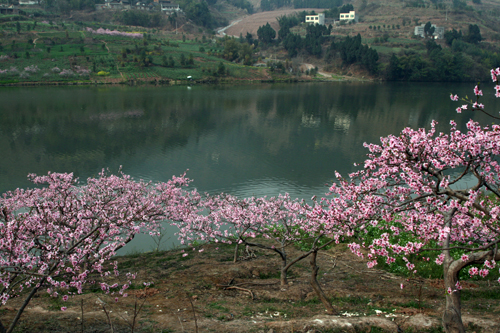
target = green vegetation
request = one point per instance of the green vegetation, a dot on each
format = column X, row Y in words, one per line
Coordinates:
column 41, row 45
column 425, row 266
column 82, row 53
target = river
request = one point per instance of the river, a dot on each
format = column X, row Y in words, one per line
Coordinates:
column 250, row 140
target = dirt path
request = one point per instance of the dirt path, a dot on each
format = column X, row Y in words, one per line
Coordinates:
column 190, row 292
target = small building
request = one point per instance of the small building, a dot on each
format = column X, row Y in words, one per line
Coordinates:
column 438, row 31
column 316, row 19
column 9, row 9
column 113, row 5
column 168, row 7
column 351, row 16
column 28, row 2
column 144, row 6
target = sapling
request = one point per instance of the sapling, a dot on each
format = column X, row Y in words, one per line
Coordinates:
column 272, row 224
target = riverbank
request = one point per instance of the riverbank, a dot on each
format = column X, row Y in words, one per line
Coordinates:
column 205, row 291
column 66, row 54
column 320, row 77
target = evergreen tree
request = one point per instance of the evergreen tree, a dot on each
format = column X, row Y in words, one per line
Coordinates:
column 474, row 35
column 266, row 33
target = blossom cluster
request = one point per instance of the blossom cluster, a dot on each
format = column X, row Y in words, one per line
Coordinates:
column 82, row 71
column 413, row 182
column 11, row 71
column 102, row 31
column 31, row 69
column 62, row 231
column 66, row 72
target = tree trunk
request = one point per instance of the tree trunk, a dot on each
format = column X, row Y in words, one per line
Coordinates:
column 236, row 248
column 284, row 272
column 25, row 304
column 452, row 316
column 317, row 288
column 2, row 328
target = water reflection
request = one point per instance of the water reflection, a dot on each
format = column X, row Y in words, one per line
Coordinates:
column 246, row 140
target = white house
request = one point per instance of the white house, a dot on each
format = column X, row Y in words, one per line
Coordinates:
column 169, row 7
column 316, row 19
column 351, row 16
column 28, row 2
column 438, row 31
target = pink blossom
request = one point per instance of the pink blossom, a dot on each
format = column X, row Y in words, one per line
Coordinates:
column 473, row 271
column 454, row 97
column 465, row 257
column 63, row 308
column 483, row 272
column 66, row 221
column 478, row 92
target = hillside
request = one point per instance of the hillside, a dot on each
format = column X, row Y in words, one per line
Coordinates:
column 391, row 12
column 385, row 26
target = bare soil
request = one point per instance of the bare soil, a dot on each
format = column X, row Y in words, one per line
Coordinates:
column 207, row 292
column 252, row 23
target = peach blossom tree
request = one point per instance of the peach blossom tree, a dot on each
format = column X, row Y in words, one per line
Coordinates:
column 441, row 188
column 61, row 234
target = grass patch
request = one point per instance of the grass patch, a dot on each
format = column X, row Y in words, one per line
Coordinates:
column 490, row 293
column 350, row 300
column 218, row 306
column 414, row 304
column 304, row 303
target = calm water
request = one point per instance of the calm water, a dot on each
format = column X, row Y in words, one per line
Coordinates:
column 245, row 140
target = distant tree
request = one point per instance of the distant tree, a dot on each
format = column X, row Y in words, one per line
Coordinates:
column 265, row 5
column 293, row 43
column 231, row 49
column 352, row 51
column 474, row 35
column 314, row 39
column 429, row 30
column 346, row 8
column 199, row 13
column 266, row 33
column 221, row 69
column 431, row 46
column 190, row 61
column 393, row 71
column 249, row 38
column 459, row 4
column 450, row 36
